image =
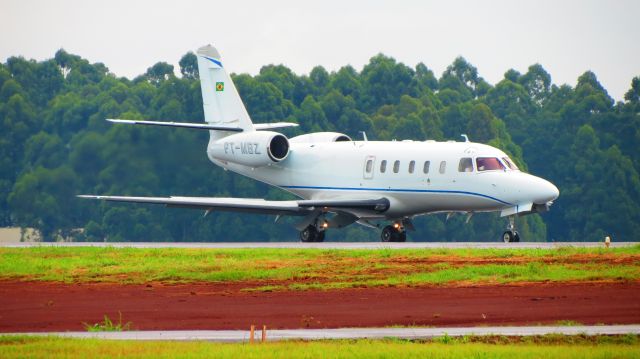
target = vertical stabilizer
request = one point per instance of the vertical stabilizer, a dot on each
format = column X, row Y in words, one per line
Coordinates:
column 222, row 103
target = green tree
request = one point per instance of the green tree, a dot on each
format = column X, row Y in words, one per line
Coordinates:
column 463, row 78
column 159, row 72
column 482, row 124
column 189, row 66
column 537, row 82
column 44, row 199
column 633, row 95
column 311, row 116
column 384, row 81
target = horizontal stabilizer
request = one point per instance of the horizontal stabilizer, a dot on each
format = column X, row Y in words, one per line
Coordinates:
column 271, row 126
column 200, row 126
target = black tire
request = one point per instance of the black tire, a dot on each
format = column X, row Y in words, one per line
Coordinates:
column 309, row 234
column 387, row 234
column 508, row 237
column 391, row 234
column 320, row 236
column 516, row 237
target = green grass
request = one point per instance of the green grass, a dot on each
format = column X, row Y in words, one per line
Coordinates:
column 446, row 347
column 278, row 269
column 108, row 325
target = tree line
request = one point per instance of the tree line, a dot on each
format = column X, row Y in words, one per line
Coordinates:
column 55, row 144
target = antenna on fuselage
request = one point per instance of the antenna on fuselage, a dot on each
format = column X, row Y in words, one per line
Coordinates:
column 364, row 136
column 466, row 138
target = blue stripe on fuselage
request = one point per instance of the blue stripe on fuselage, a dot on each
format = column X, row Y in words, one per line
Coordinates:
column 398, row 190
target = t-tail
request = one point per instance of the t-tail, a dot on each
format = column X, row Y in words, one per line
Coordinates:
column 220, row 98
column 224, row 112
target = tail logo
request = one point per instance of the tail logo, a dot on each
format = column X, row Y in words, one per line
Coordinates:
column 219, row 86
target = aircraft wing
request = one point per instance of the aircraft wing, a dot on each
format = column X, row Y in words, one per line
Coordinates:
column 255, row 205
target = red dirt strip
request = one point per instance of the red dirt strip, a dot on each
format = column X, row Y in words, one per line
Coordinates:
column 46, row 306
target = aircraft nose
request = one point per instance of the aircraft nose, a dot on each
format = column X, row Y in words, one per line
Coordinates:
column 547, row 191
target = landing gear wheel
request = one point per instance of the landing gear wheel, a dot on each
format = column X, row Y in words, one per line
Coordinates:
column 387, row 234
column 311, row 234
column 391, row 234
column 510, row 236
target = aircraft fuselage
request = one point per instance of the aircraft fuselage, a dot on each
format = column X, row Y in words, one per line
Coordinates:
column 336, row 170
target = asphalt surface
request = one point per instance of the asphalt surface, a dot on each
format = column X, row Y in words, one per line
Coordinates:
column 325, row 245
column 346, row 333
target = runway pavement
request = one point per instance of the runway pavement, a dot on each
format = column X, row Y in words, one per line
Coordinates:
column 324, row 245
column 346, row 333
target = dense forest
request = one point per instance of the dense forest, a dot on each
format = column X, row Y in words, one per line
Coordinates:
column 55, row 144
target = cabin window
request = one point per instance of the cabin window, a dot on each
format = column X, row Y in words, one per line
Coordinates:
column 489, row 164
column 443, row 166
column 383, row 166
column 396, row 166
column 465, row 165
column 425, row 168
column 369, row 166
column 412, row 166
column 510, row 163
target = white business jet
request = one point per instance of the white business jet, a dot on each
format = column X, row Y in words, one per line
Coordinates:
column 342, row 181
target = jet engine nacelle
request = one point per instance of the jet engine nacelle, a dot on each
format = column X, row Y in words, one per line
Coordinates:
column 255, row 149
column 321, row 137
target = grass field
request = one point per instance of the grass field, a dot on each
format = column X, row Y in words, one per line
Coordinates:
column 292, row 269
column 500, row 347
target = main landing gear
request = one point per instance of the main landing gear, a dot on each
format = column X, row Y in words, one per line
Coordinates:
column 511, row 235
column 312, row 234
column 394, row 233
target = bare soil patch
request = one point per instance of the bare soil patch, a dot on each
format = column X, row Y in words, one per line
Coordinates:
column 47, row 306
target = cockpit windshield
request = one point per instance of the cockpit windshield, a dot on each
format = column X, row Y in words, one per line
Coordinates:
column 489, row 164
column 510, row 163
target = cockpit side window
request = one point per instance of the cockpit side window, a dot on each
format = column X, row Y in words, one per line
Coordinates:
column 489, row 164
column 510, row 163
column 465, row 165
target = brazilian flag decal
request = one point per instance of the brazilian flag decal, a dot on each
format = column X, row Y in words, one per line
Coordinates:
column 219, row 86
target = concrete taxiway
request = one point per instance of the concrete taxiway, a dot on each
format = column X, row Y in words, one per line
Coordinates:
column 346, row 333
column 325, row 245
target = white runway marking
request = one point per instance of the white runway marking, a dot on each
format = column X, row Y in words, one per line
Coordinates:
column 326, row 245
column 345, row 333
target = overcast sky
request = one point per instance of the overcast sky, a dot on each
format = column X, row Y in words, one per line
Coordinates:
column 566, row 37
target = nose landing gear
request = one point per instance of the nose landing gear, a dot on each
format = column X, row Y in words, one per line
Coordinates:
column 394, row 233
column 511, row 235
